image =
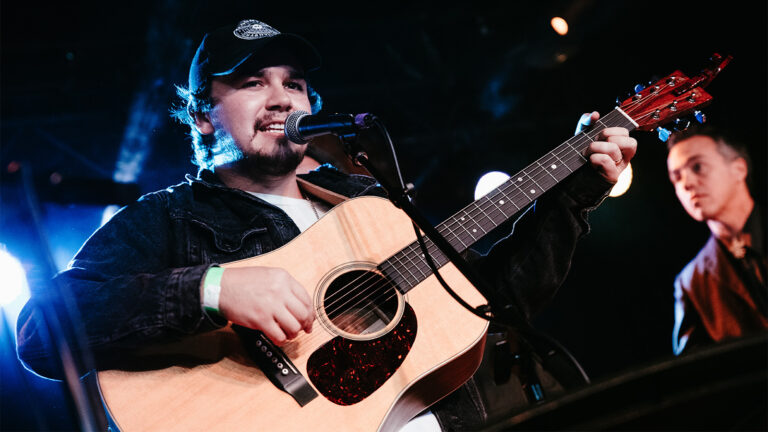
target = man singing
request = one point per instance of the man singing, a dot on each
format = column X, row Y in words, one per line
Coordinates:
column 150, row 275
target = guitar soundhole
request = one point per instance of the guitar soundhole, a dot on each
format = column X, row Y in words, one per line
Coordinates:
column 359, row 303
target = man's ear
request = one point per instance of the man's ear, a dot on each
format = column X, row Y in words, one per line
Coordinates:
column 202, row 122
column 739, row 165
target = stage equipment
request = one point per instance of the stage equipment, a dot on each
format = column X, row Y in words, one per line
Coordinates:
column 301, row 126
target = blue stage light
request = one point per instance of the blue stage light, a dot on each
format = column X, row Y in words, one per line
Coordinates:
column 14, row 283
column 14, row 291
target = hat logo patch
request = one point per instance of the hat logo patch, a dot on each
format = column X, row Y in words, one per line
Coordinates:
column 254, row 29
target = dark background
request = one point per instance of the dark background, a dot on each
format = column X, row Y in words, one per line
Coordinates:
column 463, row 89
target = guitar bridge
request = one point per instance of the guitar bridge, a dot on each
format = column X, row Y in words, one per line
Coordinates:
column 276, row 365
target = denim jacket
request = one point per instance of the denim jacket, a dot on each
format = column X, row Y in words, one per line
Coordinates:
column 136, row 280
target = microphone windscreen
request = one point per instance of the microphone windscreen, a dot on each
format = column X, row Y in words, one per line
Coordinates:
column 292, row 127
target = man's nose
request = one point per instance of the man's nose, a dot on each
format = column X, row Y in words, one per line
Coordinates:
column 278, row 99
column 687, row 179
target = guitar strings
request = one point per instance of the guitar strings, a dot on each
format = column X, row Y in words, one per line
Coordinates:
column 490, row 205
column 429, row 271
column 481, row 210
column 534, row 178
column 361, row 293
column 551, row 155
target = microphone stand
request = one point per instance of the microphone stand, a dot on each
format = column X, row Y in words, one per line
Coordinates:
column 400, row 195
column 499, row 310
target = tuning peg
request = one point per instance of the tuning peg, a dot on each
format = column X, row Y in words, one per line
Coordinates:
column 622, row 97
column 664, row 134
column 700, row 116
column 681, row 124
column 639, row 88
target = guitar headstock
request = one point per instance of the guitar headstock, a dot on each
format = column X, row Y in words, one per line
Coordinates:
column 672, row 97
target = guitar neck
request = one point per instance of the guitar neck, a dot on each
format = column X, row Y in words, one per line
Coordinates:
column 407, row 268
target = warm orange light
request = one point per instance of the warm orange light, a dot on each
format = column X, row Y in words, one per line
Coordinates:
column 625, row 179
column 560, row 26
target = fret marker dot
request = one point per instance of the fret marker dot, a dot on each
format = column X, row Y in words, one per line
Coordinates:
column 519, row 179
column 533, row 190
column 474, row 230
column 501, row 202
column 462, row 218
column 554, row 166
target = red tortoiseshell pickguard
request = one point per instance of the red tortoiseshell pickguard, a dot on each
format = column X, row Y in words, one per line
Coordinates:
column 347, row 371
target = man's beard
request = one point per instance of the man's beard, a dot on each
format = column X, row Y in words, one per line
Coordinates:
column 282, row 161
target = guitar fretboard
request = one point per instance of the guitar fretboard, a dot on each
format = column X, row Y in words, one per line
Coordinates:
column 407, row 268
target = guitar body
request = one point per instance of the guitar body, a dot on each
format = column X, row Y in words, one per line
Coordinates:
column 367, row 381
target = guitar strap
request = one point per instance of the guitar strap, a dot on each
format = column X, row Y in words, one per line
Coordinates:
column 320, row 193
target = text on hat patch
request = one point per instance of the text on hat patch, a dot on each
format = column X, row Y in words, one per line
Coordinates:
column 254, row 29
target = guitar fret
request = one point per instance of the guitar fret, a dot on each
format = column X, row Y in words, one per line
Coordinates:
column 533, row 191
column 506, row 185
column 520, row 179
column 547, row 171
column 391, row 273
column 448, row 227
column 478, row 206
column 468, row 225
column 492, row 200
column 410, row 273
column 424, row 270
column 577, row 151
column 562, row 163
column 415, row 262
column 555, row 168
column 477, row 225
column 403, row 275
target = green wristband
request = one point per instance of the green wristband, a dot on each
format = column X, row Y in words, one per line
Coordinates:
column 212, row 288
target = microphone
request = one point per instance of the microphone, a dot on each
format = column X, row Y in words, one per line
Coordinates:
column 301, row 126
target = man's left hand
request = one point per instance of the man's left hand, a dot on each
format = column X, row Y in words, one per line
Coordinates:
column 613, row 150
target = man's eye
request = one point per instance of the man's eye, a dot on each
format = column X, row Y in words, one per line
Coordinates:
column 294, row 86
column 696, row 168
column 252, row 83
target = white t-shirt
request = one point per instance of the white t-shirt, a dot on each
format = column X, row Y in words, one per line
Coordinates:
column 300, row 210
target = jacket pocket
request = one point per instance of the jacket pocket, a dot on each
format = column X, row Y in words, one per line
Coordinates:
column 218, row 245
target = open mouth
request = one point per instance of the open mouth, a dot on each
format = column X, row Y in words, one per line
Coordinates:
column 277, row 128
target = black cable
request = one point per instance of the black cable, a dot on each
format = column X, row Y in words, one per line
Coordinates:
column 524, row 326
column 428, row 258
column 420, row 238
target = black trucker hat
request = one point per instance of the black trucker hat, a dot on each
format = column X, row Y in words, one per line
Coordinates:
column 226, row 48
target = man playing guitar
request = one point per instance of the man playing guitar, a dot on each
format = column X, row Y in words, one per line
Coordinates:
column 152, row 276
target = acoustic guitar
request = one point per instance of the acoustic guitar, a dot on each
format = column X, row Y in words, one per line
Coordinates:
column 388, row 341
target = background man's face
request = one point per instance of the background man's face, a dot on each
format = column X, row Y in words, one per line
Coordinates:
column 705, row 181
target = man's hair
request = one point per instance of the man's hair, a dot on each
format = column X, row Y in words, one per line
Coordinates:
column 728, row 145
column 201, row 103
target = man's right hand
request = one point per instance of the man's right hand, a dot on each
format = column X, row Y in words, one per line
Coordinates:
column 267, row 299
